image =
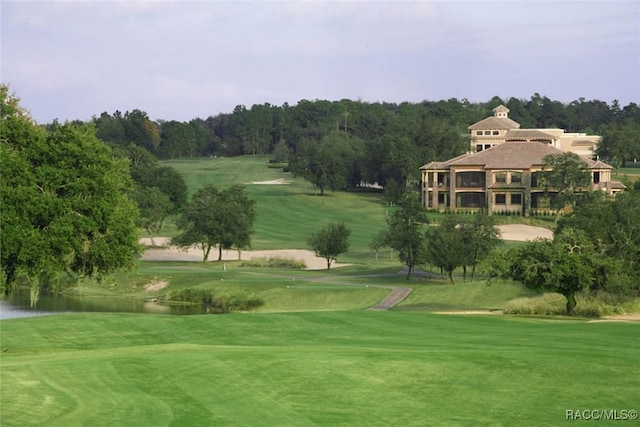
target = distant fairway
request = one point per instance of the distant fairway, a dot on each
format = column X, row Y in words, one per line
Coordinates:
column 356, row 368
column 288, row 214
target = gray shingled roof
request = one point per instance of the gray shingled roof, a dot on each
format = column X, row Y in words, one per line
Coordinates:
column 495, row 123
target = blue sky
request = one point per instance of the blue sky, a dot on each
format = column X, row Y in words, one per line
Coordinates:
column 180, row 60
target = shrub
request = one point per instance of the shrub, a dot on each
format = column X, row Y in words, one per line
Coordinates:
column 275, row 262
column 555, row 304
column 223, row 303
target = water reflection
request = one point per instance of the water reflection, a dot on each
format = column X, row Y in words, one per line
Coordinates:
column 19, row 306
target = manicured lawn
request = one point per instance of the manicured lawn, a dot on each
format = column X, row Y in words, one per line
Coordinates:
column 288, row 214
column 313, row 368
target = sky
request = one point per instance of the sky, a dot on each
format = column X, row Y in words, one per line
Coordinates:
column 182, row 60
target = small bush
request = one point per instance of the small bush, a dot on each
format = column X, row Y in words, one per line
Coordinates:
column 275, row 263
column 555, row 304
column 546, row 304
column 223, row 303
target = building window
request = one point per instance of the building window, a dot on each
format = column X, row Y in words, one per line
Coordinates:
column 516, row 177
column 500, row 177
column 470, row 200
column 537, row 179
column 478, row 132
column 470, row 179
column 516, row 199
column 487, row 146
column 495, row 132
column 487, row 132
column 442, row 179
column 478, row 147
column 500, row 199
column 596, row 177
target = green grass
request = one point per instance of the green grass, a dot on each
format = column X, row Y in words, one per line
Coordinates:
column 287, row 215
column 316, row 368
column 281, row 290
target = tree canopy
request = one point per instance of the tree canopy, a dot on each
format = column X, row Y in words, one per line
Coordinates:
column 406, row 231
column 566, row 265
column 330, row 241
column 217, row 218
column 567, row 174
column 65, row 201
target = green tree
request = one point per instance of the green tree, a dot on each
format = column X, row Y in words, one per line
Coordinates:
column 446, row 249
column 479, row 237
column 613, row 227
column 325, row 164
column 216, row 218
column 566, row 265
column 330, row 242
column 65, row 204
column 406, row 231
column 567, row 174
column 379, row 241
column 154, row 206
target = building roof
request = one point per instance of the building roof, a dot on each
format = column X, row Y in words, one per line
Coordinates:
column 443, row 165
column 501, row 109
column 495, row 123
column 513, row 155
column 527, row 135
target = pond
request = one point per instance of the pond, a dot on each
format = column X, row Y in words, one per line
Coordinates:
column 18, row 306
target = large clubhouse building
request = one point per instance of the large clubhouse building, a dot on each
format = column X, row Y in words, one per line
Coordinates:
column 501, row 171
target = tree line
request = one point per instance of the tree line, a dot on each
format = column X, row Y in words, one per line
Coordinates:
column 383, row 143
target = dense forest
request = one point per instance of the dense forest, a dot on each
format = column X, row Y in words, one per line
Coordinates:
column 382, row 143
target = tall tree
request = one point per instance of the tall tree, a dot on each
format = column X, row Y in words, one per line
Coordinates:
column 65, row 202
column 446, row 247
column 479, row 237
column 330, row 241
column 565, row 265
column 217, row 218
column 406, row 231
column 567, row 174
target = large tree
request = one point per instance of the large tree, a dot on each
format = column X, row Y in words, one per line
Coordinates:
column 566, row 265
column 406, row 231
column 446, row 248
column 65, row 203
column 567, row 174
column 479, row 237
column 330, row 241
column 215, row 218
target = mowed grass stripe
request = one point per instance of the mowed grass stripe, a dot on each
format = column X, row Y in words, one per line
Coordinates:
column 326, row 368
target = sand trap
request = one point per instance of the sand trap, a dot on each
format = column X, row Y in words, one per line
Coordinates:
column 280, row 181
column 522, row 232
column 169, row 253
column 469, row 312
column 156, row 286
column 619, row 318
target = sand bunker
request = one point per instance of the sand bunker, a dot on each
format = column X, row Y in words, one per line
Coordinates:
column 156, row 286
column 169, row 253
column 271, row 182
column 522, row 232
